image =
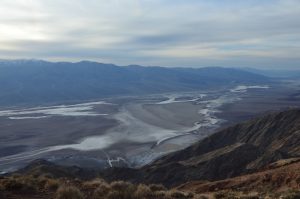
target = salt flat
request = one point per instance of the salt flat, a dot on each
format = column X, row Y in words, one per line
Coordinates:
column 129, row 131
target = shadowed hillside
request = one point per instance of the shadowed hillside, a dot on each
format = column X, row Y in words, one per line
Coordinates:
column 240, row 149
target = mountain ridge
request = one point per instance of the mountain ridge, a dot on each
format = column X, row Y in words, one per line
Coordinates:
column 36, row 82
column 250, row 146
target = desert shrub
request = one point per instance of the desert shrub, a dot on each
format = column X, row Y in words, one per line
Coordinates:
column 157, row 187
column 142, row 191
column 292, row 194
column 200, row 197
column 179, row 195
column 47, row 175
column 298, row 180
column 122, row 186
column 102, row 191
column 160, row 195
column 124, row 190
column 42, row 180
column 68, row 192
column 51, row 184
column 11, row 184
column 225, row 195
column 16, row 176
column 93, row 184
column 18, row 184
column 190, row 195
column 114, row 195
column 249, row 197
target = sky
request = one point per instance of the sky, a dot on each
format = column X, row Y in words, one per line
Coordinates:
column 181, row 33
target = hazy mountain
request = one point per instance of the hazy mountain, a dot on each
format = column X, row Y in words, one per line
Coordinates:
column 36, row 81
column 275, row 73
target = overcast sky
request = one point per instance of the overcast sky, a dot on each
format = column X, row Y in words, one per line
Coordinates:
column 187, row 33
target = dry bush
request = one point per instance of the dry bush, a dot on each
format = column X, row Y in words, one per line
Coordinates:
column 52, row 184
column 225, row 195
column 249, row 197
column 200, row 197
column 157, row 187
column 292, row 194
column 160, row 195
column 93, row 184
column 179, row 195
column 42, row 180
column 143, row 191
column 23, row 184
column 121, row 186
column 47, row 175
column 11, row 184
column 68, row 192
column 102, row 191
column 124, row 190
column 16, row 176
column 115, row 195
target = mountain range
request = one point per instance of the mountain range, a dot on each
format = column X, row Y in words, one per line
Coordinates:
column 34, row 82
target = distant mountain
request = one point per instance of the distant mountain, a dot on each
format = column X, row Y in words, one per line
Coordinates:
column 275, row 73
column 36, row 81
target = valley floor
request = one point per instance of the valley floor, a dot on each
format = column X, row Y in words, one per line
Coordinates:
column 129, row 131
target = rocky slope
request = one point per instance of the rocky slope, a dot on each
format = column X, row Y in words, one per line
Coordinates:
column 284, row 176
column 237, row 150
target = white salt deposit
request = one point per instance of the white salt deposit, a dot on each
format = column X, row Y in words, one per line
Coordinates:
column 83, row 109
column 243, row 88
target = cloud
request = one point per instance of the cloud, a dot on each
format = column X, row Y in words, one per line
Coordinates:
column 154, row 32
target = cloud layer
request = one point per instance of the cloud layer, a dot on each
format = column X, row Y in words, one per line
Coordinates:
column 183, row 33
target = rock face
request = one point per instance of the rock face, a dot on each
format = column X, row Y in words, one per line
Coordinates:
column 241, row 149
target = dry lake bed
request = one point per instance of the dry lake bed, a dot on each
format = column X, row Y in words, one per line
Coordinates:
column 130, row 131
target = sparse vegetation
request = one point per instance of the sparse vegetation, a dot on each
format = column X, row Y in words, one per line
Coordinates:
column 102, row 191
column 69, row 192
column 51, row 184
column 157, row 187
column 94, row 184
column 19, row 183
column 143, row 191
column 223, row 195
column 31, row 186
column 180, row 195
column 291, row 194
column 94, row 189
column 228, row 194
